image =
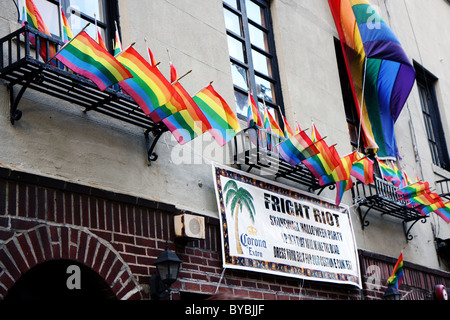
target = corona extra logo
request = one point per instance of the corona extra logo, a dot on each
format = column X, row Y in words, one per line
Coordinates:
column 252, row 231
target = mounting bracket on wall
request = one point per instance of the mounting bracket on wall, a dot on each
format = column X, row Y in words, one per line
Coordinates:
column 151, row 139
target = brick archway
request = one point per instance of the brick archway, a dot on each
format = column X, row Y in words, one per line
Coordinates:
column 50, row 242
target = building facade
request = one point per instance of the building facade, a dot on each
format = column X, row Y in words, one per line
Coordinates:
column 81, row 185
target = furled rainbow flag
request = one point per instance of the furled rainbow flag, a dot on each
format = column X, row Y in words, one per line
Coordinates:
column 85, row 56
column 117, row 43
column 297, row 148
column 288, row 132
column 99, row 39
column 397, row 274
column 224, row 123
column 34, row 20
column 274, row 126
column 67, row 34
column 253, row 115
column 444, row 212
column 362, row 169
column 148, row 87
column 413, row 190
column 323, row 163
column 389, row 173
column 389, row 75
column 188, row 124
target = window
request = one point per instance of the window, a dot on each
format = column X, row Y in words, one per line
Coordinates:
column 252, row 54
column 347, row 96
column 79, row 12
column 431, row 116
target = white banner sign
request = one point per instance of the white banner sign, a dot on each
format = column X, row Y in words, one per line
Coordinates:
column 272, row 228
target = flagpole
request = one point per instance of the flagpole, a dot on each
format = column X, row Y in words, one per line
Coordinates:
column 362, row 101
column 61, row 21
column 62, row 48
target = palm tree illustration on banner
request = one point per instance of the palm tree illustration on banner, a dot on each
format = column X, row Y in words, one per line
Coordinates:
column 238, row 197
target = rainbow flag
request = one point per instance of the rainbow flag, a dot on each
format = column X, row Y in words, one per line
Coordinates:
column 253, row 116
column 374, row 59
column 188, row 124
column 297, row 148
column 397, row 274
column 414, row 189
column 362, row 169
column 274, row 126
column 85, row 56
column 224, row 123
column 99, row 39
column 444, row 212
column 148, row 87
column 427, row 209
column 67, row 34
column 288, row 132
column 323, row 163
column 33, row 17
column 389, row 173
column 117, row 43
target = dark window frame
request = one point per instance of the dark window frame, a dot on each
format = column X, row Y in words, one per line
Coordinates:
column 111, row 8
column 426, row 83
column 248, row 65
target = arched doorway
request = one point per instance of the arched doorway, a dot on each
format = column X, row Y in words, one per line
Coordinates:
column 48, row 281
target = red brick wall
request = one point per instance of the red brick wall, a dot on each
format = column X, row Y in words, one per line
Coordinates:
column 120, row 236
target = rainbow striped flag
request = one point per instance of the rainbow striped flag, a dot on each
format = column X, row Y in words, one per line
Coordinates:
column 224, row 123
column 186, row 124
column 31, row 15
column 288, row 132
column 323, row 163
column 117, row 43
column 99, row 39
column 67, row 34
column 253, row 116
column 413, row 190
column 297, row 148
column 274, row 126
column 389, row 173
column 444, row 212
column 362, row 169
column 397, row 274
column 427, row 209
column 85, row 56
column 148, row 87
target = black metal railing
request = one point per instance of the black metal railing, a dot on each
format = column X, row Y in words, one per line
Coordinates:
column 23, row 66
column 443, row 188
column 254, row 149
column 381, row 196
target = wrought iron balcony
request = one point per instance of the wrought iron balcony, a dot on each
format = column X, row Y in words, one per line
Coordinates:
column 443, row 188
column 252, row 152
column 22, row 66
column 381, row 196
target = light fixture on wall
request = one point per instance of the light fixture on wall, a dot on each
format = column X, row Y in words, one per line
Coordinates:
column 392, row 293
column 168, row 267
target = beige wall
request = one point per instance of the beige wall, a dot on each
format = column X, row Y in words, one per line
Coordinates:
column 57, row 139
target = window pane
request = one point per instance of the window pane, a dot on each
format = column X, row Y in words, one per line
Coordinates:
column 258, row 37
column 239, row 76
column 232, row 22
column 236, row 49
column 265, row 89
column 241, row 103
column 231, row 3
column 261, row 63
column 77, row 23
column 255, row 12
column 89, row 7
column 49, row 13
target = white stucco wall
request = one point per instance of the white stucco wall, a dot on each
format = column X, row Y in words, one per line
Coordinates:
column 57, row 139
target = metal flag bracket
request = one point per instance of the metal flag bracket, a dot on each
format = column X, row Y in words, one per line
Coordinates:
column 151, row 139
